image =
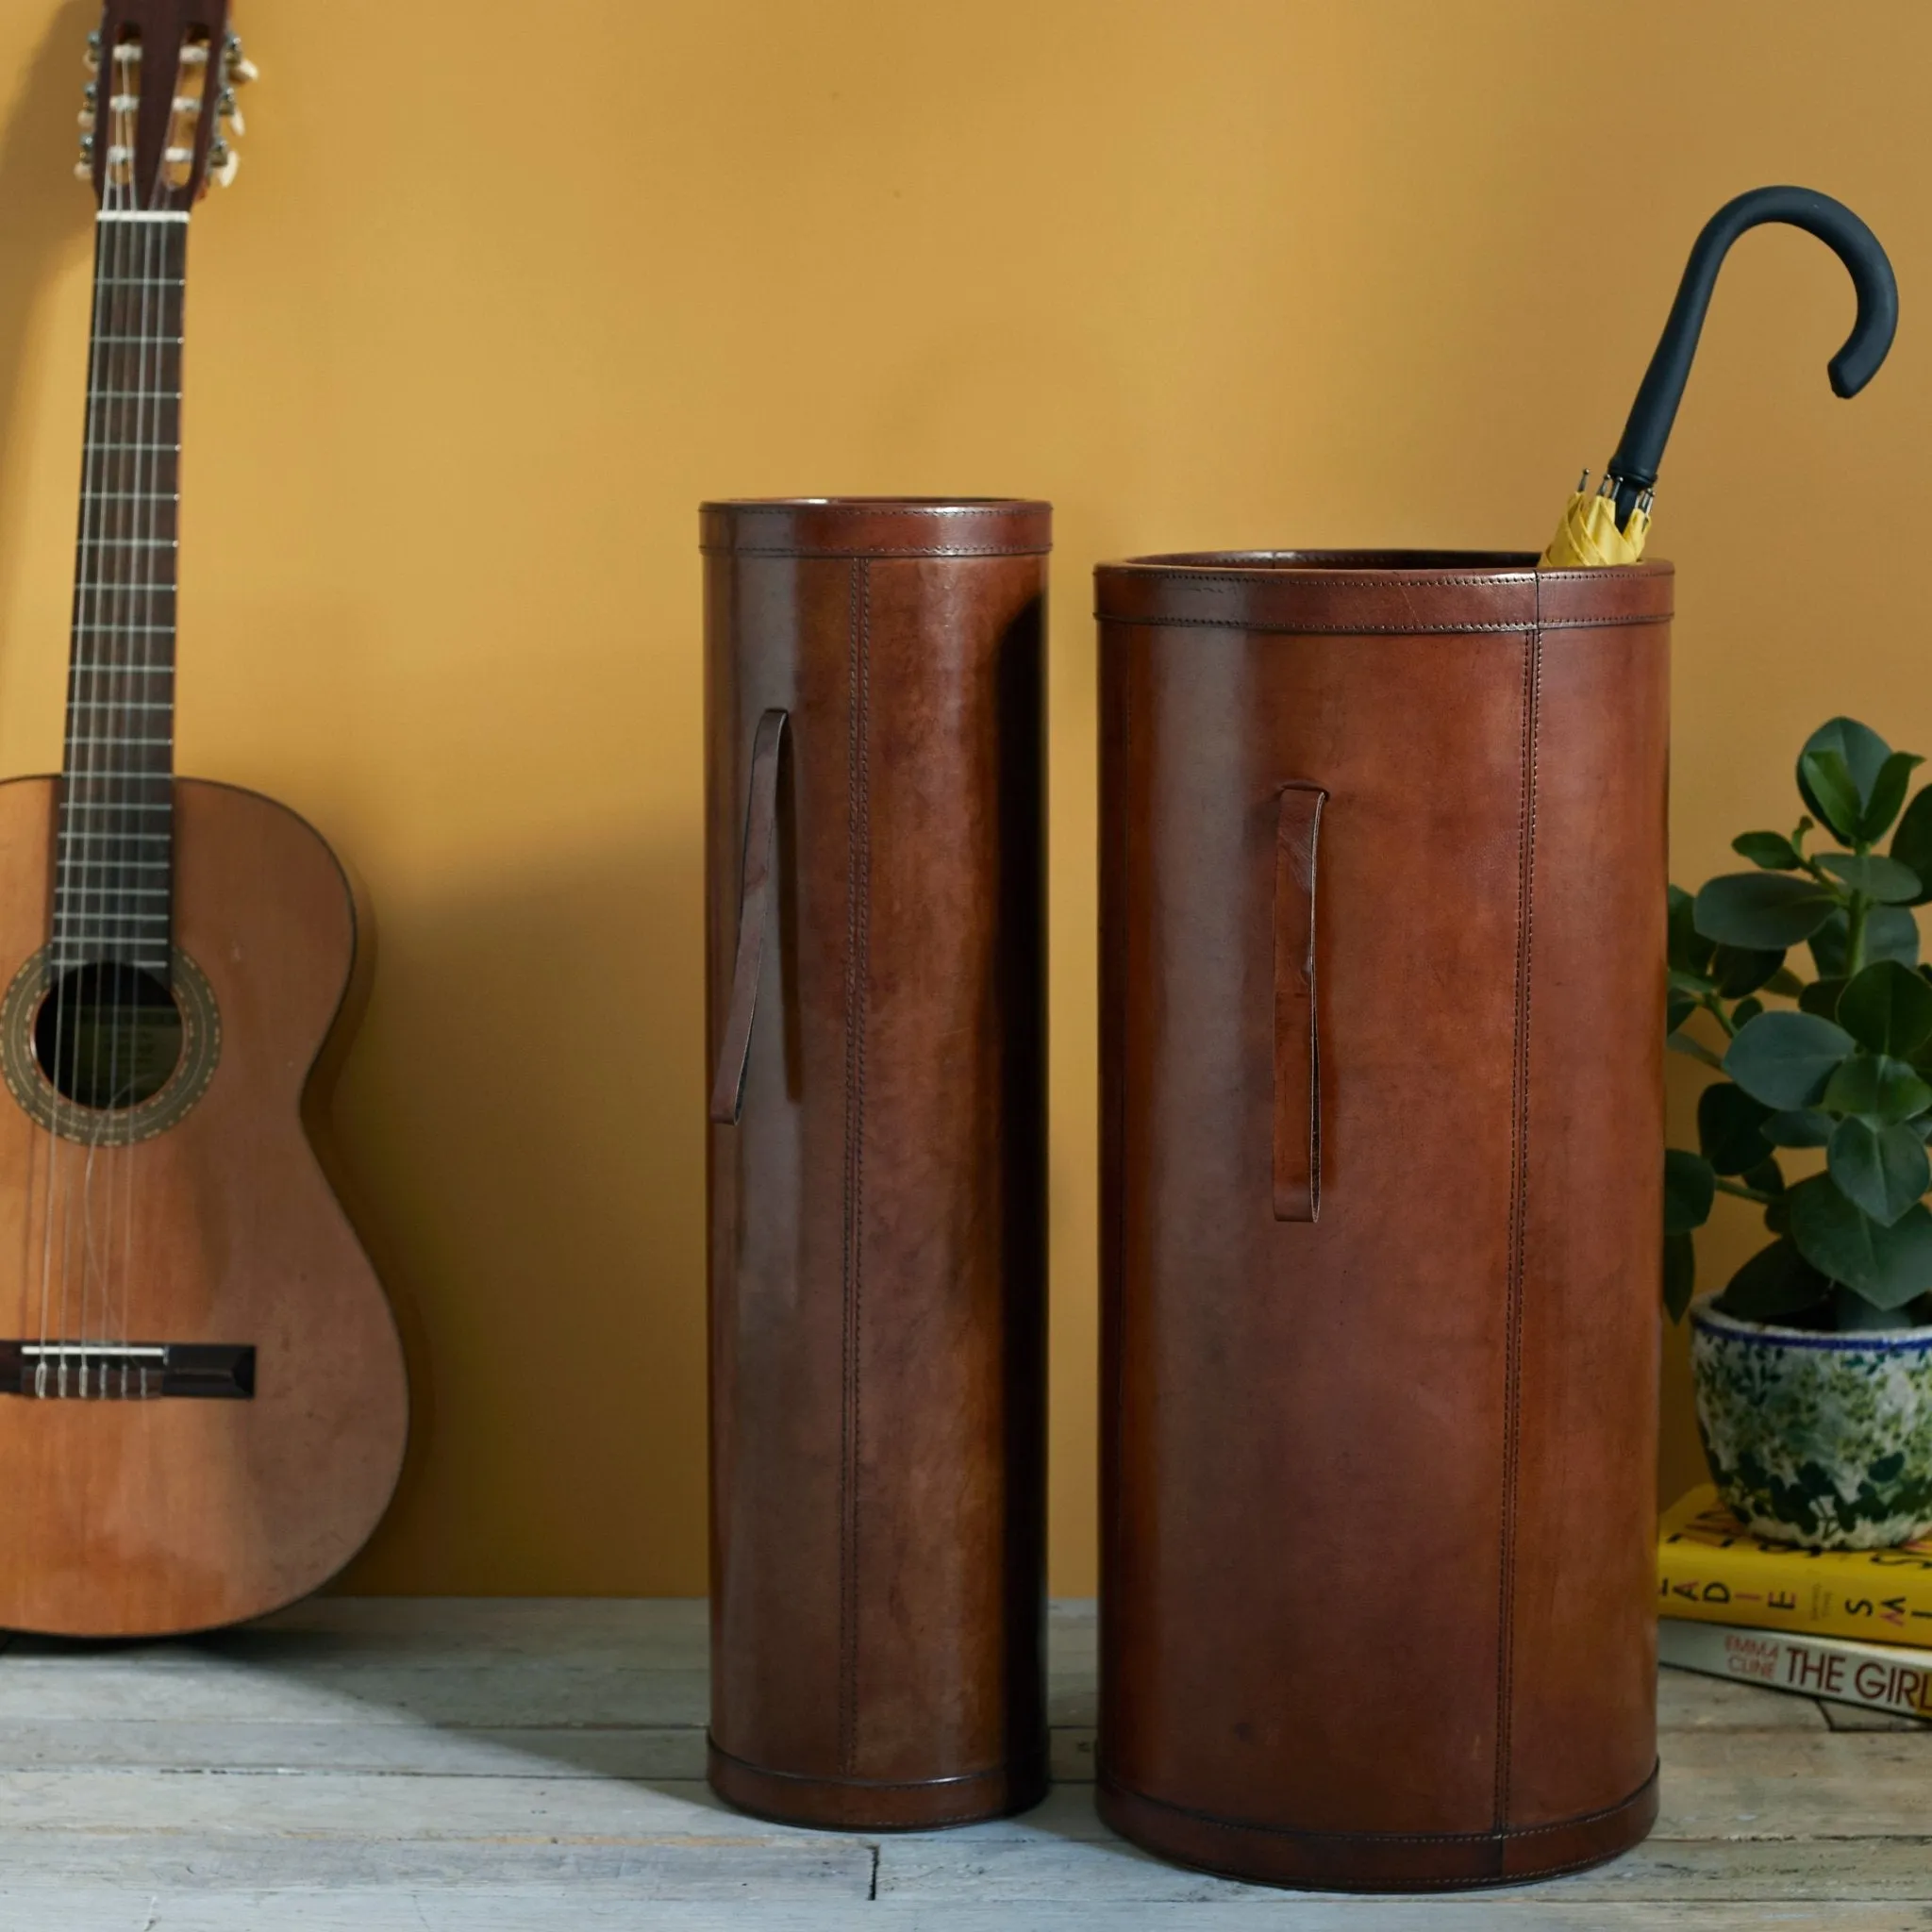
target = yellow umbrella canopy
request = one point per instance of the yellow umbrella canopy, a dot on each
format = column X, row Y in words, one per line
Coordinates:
column 1609, row 525
column 1589, row 535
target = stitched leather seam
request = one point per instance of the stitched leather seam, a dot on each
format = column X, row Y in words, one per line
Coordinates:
column 871, row 550
column 858, row 889
column 1382, row 630
column 1357, row 580
column 1508, row 1835
column 1519, row 1192
column 1117, row 912
column 884, row 507
column 1008, row 1767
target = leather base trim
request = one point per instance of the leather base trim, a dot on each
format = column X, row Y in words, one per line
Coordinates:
column 1376, row 1860
column 840, row 1804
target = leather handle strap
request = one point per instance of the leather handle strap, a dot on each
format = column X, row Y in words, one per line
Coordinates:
column 1297, row 1044
column 754, row 917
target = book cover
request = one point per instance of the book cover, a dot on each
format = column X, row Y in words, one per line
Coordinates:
column 1878, row 1675
column 1712, row 1570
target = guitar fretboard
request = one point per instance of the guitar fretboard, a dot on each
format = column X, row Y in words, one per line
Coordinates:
column 114, row 851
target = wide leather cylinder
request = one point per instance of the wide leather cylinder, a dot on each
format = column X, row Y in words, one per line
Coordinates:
column 1382, row 888
column 877, row 1229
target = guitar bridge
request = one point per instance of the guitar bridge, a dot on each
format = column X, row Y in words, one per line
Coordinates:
column 129, row 1370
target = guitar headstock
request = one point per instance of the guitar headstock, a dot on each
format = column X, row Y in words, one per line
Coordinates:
column 160, row 118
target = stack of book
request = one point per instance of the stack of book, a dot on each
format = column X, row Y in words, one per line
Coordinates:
column 1836, row 1624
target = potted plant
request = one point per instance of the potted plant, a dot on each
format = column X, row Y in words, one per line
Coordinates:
column 1813, row 1366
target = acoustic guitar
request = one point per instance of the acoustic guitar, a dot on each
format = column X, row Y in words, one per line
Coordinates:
column 202, row 1397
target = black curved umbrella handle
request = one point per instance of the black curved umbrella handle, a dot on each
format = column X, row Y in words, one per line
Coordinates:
column 1640, row 452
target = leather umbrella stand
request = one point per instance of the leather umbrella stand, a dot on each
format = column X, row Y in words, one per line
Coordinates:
column 1382, row 890
column 877, row 1220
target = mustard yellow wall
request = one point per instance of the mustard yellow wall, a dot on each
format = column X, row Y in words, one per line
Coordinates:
column 504, row 289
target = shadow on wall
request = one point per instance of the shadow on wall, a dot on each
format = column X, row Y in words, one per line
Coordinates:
column 517, row 1123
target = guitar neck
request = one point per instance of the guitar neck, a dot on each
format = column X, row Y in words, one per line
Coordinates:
column 114, row 860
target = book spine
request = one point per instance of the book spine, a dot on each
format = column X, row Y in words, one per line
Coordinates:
column 1883, row 1597
column 1813, row 1666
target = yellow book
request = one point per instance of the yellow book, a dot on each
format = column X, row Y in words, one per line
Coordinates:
column 1710, row 1567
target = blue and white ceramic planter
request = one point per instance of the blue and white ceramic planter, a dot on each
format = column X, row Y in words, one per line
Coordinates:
column 1819, row 1439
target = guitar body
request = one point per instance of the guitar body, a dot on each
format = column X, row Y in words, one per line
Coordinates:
column 199, row 1219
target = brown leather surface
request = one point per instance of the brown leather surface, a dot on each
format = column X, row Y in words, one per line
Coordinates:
column 1297, row 1026
column 754, row 919
column 877, row 1215
column 1377, row 1489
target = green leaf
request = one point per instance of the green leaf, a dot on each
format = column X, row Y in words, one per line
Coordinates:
column 1821, row 997
column 1785, row 983
column 1831, row 791
column 1728, row 1124
column 1876, row 1087
column 1739, row 970
column 1690, row 951
column 1746, row 1010
column 1688, row 1189
column 1785, row 1060
column 1886, row 795
column 1889, row 1266
column 1862, row 748
column 1678, row 1006
column 1882, row 1170
column 1884, row 879
column 1890, row 933
column 1889, row 1008
column 1680, row 1273
column 1693, row 1050
column 1775, row 1282
column 1911, row 845
column 1803, row 1127
column 1692, row 983
column 1767, row 1177
column 1770, row 850
column 1762, row 910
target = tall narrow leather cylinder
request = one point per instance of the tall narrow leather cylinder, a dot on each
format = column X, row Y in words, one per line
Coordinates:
column 878, row 1222
column 1382, row 893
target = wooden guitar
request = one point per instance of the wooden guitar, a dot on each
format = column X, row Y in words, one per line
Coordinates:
column 202, row 1398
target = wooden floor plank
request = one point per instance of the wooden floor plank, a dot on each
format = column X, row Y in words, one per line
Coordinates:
column 515, row 1766
column 463, row 1910
column 936, row 1869
column 557, row 1692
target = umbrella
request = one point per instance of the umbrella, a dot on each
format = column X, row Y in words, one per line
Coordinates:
column 1609, row 525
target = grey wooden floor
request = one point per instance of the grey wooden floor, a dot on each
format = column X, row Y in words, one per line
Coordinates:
column 448, row 1766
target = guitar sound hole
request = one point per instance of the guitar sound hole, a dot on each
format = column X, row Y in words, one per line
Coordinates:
column 107, row 1036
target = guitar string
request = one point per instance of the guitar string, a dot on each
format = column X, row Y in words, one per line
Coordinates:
column 99, row 836
column 106, row 248
column 147, row 506
column 117, row 905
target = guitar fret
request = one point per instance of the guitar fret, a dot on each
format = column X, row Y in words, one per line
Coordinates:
column 144, row 341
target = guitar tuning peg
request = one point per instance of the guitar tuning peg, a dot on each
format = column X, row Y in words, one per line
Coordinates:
column 86, row 119
column 236, row 65
column 232, row 114
column 223, row 174
column 83, row 171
